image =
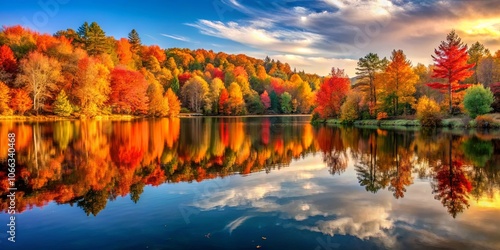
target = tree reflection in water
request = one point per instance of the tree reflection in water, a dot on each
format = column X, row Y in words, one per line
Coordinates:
column 91, row 162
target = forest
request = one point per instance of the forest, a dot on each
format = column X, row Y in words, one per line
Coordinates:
column 85, row 73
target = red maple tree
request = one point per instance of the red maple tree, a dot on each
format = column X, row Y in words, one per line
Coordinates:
column 8, row 62
column 223, row 102
column 128, row 91
column 451, row 64
column 21, row 101
column 278, row 85
column 331, row 94
column 218, row 73
column 183, row 78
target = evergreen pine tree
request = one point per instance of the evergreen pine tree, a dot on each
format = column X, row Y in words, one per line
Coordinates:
column 62, row 107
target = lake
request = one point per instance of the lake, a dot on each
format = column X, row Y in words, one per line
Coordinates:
column 249, row 183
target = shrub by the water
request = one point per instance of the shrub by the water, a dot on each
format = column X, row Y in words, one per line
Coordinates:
column 382, row 115
column 478, row 100
column 483, row 121
column 428, row 112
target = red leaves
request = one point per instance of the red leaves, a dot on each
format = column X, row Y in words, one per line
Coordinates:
column 330, row 95
column 444, row 87
column 153, row 50
column 223, row 102
column 265, row 99
column 8, row 62
column 240, row 71
column 453, row 187
column 278, row 85
column 451, row 64
column 128, row 91
column 218, row 73
column 183, row 78
column 20, row 101
column 495, row 88
column 123, row 51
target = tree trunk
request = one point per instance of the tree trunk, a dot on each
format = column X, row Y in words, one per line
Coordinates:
column 451, row 97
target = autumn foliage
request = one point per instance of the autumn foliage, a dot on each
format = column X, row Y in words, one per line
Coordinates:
column 331, row 94
column 102, row 75
column 264, row 98
column 128, row 92
column 451, row 64
column 21, row 101
column 428, row 112
column 8, row 62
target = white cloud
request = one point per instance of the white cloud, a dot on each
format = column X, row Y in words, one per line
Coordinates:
column 180, row 38
column 263, row 35
column 320, row 65
column 337, row 29
column 236, row 223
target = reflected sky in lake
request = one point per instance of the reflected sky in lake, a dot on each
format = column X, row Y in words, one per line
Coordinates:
column 227, row 183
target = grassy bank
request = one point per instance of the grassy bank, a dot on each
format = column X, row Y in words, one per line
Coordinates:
column 454, row 122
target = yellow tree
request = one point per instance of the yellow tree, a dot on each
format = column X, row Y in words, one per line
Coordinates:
column 92, row 85
column 4, row 99
column 215, row 88
column 236, row 101
column 39, row 75
column 399, row 81
column 173, row 103
column 305, row 97
column 158, row 105
column 194, row 93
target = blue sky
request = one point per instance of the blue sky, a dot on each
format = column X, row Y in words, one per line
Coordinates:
column 310, row 35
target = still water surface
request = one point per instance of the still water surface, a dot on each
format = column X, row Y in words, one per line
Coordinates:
column 247, row 183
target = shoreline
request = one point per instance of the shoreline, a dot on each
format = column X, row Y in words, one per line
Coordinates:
column 453, row 123
column 49, row 118
column 243, row 116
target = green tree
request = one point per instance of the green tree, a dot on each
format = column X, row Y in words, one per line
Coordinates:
column 367, row 69
column 478, row 151
column 286, row 103
column 135, row 41
column 478, row 100
column 275, row 103
column 350, row 109
column 174, row 85
column 62, row 106
column 93, row 38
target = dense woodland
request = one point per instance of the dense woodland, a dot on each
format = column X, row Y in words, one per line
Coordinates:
column 84, row 73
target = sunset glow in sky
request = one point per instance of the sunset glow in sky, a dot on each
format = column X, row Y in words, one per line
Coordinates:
column 310, row 35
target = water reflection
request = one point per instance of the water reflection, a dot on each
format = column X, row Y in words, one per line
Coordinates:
column 88, row 163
